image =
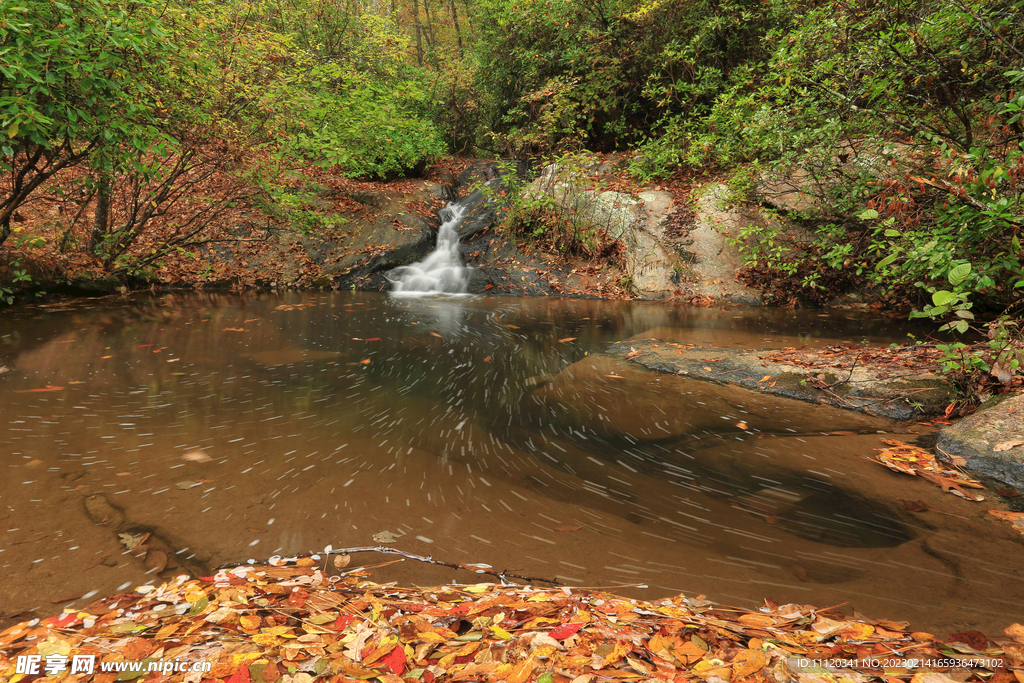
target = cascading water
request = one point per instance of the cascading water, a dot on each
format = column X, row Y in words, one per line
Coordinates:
column 441, row 271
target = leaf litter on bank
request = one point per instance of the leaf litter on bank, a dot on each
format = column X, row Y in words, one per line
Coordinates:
column 288, row 621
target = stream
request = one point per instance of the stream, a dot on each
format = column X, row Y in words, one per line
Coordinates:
column 476, row 430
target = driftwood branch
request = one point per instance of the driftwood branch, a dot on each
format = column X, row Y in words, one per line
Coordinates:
column 485, row 569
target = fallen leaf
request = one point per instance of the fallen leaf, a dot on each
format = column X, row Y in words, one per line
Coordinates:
column 487, row 359
column 568, row 528
column 998, row 448
column 1007, row 492
column 633, row 353
column 567, row 339
column 196, row 455
column 156, row 561
column 514, row 327
column 41, row 390
column 765, row 378
column 365, row 361
column 234, row 329
column 435, row 334
column 915, row 505
column 342, row 561
column 257, row 531
column 800, row 573
column 385, row 537
column 742, row 425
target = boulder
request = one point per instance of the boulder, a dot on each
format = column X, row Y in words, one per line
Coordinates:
column 638, row 222
column 991, row 440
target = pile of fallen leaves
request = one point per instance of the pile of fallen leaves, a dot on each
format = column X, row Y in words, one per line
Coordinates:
column 288, row 621
column 915, row 461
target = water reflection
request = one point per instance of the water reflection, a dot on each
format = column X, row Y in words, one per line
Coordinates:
column 486, row 430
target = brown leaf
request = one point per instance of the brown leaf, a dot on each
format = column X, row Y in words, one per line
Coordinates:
column 156, row 560
column 801, row 573
column 1015, row 631
column 342, row 561
column 915, row 505
column 747, row 662
column 633, row 353
column 568, row 528
column 67, row 598
column 435, row 334
column 1007, row 492
column 1006, row 445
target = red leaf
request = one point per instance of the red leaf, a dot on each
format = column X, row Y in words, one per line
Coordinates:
column 240, row 676
column 372, row 339
column 395, row 660
column 343, row 621
column 565, row 630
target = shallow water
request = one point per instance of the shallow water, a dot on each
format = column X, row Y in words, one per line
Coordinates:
column 475, row 430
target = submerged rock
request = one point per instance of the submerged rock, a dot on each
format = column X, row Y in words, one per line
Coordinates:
column 991, row 440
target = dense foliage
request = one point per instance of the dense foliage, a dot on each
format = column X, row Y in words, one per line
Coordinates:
column 904, row 119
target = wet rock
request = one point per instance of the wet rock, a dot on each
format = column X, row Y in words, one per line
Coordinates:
column 985, row 439
column 864, row 388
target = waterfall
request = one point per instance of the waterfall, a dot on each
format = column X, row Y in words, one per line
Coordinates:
column 442, row 270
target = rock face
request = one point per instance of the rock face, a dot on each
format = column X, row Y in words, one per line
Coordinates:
column 638, row 222
column 714, row 260
column 985, row 439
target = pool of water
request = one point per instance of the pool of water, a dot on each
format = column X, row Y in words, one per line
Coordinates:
column 476, row 430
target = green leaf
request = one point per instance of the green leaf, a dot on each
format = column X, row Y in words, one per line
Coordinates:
column 867, row 215
column 13, row 130
column 892, row 233
column 943, row 298
column 887, row 260
column 959, row 273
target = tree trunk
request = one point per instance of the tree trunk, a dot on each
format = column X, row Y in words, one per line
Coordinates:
column 458, row 31
column 430, row 23
column 101, row 219
column 419, row 29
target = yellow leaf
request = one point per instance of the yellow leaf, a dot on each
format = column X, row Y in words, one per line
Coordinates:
column 500, row 632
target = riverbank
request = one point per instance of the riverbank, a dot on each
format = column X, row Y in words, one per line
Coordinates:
column 303, row 619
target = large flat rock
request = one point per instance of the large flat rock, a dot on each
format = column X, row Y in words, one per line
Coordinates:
column 985, row 439
column 851, row 384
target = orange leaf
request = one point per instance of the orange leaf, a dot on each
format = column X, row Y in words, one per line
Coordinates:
column 365, row 361
column 567, row 339
column 568, row 528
